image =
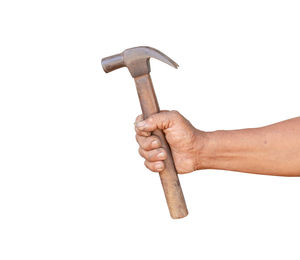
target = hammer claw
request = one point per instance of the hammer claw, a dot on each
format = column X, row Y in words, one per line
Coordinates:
column 137, row 61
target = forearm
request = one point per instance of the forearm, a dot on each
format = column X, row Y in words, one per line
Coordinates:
column 273, row 149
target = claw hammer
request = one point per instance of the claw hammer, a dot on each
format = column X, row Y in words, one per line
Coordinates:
column 137, row 61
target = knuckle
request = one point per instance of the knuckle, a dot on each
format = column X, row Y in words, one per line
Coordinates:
column 141, row 152
column 140, row 140
column 175, row 114
column 146, row 164
column 151, row 156
column 137, row 131
column 145, row 144
column 138, row 118
column 164, row 111
column 150, row 119
column 149, row 166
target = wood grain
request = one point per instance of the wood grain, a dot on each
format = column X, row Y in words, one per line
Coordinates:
column 168, row 177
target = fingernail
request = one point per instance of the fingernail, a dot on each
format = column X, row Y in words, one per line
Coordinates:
column 140, row 124
column 161, row 155
column 155, row 143
column 159, row 167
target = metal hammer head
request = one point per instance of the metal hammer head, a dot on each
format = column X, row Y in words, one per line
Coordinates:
column 136, row 60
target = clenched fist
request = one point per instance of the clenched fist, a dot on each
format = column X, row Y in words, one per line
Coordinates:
column 185, row 141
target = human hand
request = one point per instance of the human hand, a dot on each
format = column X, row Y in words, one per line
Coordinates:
column 185, row 141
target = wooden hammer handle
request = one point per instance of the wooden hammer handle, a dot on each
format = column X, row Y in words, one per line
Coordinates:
column 168, row 176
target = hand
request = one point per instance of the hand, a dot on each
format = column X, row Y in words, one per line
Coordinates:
column 186, row 142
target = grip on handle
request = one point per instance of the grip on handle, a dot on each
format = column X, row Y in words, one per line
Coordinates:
column 168, row 176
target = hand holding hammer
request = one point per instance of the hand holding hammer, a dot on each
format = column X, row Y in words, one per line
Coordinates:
column 137, row 62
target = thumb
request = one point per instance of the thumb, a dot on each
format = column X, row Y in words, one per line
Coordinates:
column 161, row 120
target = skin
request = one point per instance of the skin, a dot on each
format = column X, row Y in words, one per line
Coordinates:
column 269, row 150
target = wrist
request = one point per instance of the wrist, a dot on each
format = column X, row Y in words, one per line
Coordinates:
column 207, row 146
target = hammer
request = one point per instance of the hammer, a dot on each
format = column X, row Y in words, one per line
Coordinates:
column 137, row 61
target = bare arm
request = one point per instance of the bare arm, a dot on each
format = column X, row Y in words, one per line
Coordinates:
column 271, row 150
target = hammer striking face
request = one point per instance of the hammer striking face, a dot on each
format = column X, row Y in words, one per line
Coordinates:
column 137, row 61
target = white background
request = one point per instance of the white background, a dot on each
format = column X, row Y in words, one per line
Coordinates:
column 72, row 185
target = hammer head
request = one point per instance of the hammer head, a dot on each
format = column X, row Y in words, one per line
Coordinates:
column 136, row 60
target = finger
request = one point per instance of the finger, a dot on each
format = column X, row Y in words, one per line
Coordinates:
column 153, row 155
column 148, row 143
column 142, row 133
column 155, row 166
column 162, row 120
column 139, row 118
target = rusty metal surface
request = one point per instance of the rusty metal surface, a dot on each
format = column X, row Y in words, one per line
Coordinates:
column 136, row 60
